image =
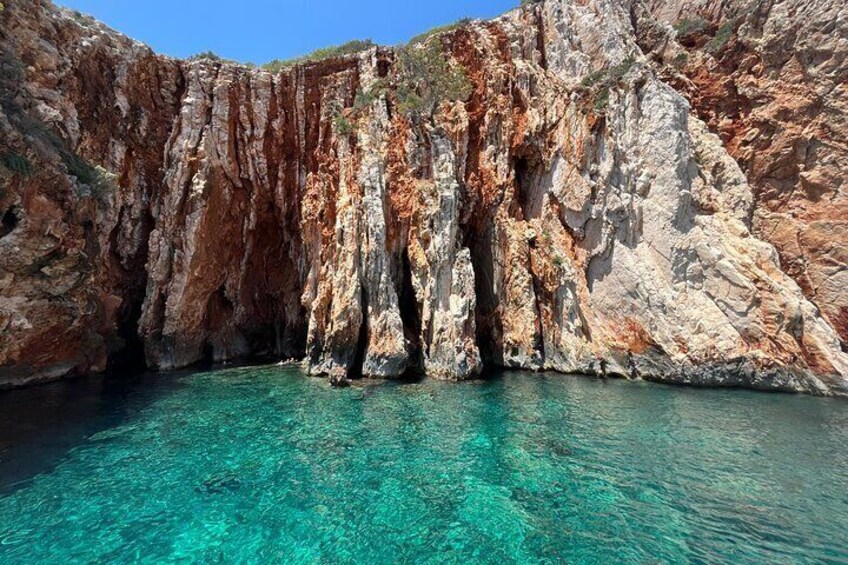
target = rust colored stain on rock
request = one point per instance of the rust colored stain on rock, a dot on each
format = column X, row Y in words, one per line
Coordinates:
column 574, row 214
column 777, row 100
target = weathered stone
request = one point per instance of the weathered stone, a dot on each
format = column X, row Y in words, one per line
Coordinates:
column 574, row 214
column 772, row 82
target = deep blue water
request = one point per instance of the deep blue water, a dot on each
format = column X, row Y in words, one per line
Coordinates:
column 267, row 465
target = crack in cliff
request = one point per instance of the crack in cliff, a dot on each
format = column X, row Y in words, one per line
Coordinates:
column 355, row 370
column 10, row 221
column 489, row 325
column 410, row 314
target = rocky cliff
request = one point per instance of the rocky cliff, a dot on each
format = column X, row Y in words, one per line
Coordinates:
column 627, row 188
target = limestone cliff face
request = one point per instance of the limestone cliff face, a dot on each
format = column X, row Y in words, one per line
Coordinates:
column 573, row 214
column 772, row 79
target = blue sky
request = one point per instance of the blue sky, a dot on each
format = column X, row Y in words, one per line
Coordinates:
column 260, row 30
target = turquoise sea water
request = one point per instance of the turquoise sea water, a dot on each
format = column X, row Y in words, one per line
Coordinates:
column 267, row 465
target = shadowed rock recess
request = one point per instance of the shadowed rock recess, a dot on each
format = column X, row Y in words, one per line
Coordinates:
column 640, row 189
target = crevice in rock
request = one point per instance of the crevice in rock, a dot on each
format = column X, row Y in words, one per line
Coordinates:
column 539, row 293
column 290, row 336
column 207, row 357
column 10, row 221
column 540, row 41
column 840, row 322
column 355, row 370
column 410, row 315
column 489, row 325
column 127, row 351
column 529, row 191
column 219, row 319
column 92, row 247
column 520, row 169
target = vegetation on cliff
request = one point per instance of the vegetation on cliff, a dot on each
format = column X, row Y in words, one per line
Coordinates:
column 422, row 37
column 350, row 48
column 426, row 79
column 16, row 163
column 423, row 78
column 598, row 83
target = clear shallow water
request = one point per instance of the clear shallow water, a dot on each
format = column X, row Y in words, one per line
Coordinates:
column 266, row 465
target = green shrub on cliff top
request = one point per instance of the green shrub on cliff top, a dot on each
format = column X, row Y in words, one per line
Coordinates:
column 425, row 79
column 345, row 49
column 422, row 79
column 209, row 55
column 214, row 57
column 422, row 37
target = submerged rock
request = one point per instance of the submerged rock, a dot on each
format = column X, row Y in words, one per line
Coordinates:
column 576, row 213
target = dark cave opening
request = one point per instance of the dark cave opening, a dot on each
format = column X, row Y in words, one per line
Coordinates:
column 10, row 221
column 225, row 342
column 529, row 190
column 289, row 339
column 207, row 357
column 521, row 169
column 487, row 321
column 410, row 315
column 126, row 355
column 361, row 340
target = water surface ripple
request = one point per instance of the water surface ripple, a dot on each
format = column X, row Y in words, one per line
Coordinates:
column 267, row 465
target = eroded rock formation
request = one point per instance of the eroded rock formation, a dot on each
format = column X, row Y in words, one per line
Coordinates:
column 573, row 214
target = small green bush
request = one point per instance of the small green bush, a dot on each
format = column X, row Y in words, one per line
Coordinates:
column 79, row 167
column 343, row 125
column 210, row 55
column 688, row 26
column 602, row 100
column 621, row 69
column 422, row 37
column 608, row 77
column 215, row 58
column 12, row 74
column 97, row 179
column 85, row 173
column 425, row 79
column 17, row 163
column 365, row 98
column 722, row 36
column 600, row 82
column 593, row 78
column 334, row 52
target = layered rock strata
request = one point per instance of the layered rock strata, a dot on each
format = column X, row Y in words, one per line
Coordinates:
column 576, row 213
